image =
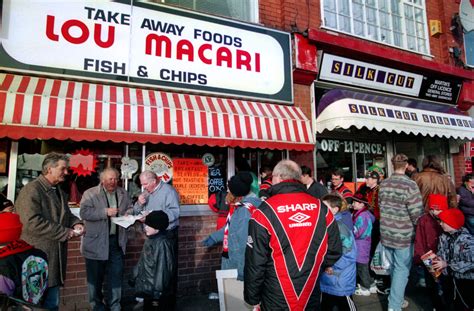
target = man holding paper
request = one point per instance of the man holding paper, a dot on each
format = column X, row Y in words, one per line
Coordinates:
column 103, row 245
column 160, row 196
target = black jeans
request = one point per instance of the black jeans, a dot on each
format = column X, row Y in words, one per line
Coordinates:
column 363, row 275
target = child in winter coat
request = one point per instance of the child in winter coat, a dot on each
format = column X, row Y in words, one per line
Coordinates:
column 338, row 282
column 428, row 231
column 23, row 268
column 154, row 273
column 456, row 257
column 363, row 220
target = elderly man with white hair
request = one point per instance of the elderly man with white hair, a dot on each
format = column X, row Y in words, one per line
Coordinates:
column 103, row 244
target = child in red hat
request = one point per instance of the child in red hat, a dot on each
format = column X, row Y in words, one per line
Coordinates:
column 427, row 235
column 456, row 258
column 23, row 269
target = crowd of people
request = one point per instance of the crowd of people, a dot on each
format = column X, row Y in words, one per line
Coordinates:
column 311, row 248
column 294, row 244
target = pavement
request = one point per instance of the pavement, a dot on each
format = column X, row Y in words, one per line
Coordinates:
column 417, row 297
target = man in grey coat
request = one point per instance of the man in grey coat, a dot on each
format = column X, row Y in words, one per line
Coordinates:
column 48, row 222
column 103, row 244
column 160, row 196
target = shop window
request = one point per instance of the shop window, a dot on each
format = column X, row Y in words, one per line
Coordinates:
column 400, row 23
column 244, row 10
column 253, row 159
column 353, row 157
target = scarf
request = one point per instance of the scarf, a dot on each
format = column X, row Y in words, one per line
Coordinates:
column 14, row 247
column 232, row 208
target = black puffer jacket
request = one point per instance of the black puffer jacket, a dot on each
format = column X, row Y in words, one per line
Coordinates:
column 154, row 275
column 292, row 237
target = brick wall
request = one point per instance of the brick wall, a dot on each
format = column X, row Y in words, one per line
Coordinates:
column 196, row 264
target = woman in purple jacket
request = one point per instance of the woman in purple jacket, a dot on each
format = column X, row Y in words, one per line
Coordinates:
column 363, row 220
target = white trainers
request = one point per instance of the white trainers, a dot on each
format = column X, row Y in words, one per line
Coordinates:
column 405, row 304
column 362, row 292
column 373, row 288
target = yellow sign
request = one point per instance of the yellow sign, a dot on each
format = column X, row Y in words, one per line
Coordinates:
column 190, row 180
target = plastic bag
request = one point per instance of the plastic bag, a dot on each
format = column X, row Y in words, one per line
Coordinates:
column 381, row 263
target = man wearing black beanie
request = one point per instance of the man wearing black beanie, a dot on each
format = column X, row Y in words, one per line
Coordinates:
column 234, row 234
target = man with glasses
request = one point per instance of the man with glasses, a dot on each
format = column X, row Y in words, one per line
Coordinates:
column 337, row 180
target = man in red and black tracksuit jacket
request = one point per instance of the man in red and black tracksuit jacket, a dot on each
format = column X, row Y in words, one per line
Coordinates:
column 292, row 238
column 337, row 181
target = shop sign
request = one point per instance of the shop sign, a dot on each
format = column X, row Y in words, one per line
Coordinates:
column 415, row 116
column 190, row 180
column 208, row 159
column 161, row 164
column 83, row 162
column 441, row 90
column 148, row 44
column 216, row 179
column 128, row 167
column 349, row 71
column 349, row 146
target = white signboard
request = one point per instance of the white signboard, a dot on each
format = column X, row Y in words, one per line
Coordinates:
column 149, row 44
column 349, row 71
column 161, row 164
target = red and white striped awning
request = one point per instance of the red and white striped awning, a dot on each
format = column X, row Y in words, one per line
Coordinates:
column 42, row 108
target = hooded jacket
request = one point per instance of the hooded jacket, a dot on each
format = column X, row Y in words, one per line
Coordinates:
column 342, row 282
column 292, row 236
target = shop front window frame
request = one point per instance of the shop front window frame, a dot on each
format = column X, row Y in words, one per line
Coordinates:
column 242, row 10
column 400, row 24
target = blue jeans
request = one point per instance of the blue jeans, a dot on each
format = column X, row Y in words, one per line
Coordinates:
column 96, row 271
column 469, row 223
column 401, row 264
column 51, row 298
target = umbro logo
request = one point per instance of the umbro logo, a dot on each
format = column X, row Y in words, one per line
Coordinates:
column 299, row 217
column 249, row 241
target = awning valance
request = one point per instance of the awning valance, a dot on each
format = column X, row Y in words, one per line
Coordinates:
column 41, row 108
column 343, row 109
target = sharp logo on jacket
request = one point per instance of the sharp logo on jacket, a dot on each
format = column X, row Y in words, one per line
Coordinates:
column 297, row 207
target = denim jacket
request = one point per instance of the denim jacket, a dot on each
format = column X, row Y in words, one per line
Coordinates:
column 238, row 232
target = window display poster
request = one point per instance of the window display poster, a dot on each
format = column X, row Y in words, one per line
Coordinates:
column 190, row 180
column 216, row 179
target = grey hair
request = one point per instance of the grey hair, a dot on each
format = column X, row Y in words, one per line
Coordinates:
column 287, row 169
column 52, row 159
column 148, row 175
column 109, row 169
